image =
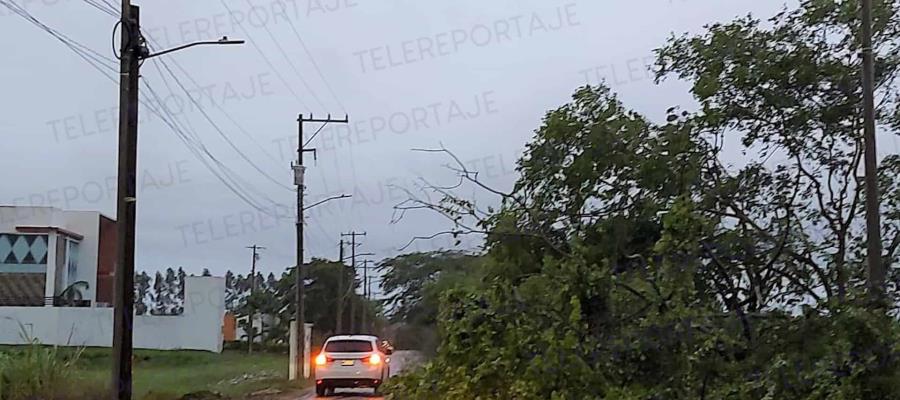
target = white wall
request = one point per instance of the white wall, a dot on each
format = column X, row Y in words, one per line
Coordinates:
column 198, row 328
column 87, row 224
column 10, row 217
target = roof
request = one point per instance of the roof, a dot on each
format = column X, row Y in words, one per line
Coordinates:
column 353, row 337
column 46, row 229
column 21, row 289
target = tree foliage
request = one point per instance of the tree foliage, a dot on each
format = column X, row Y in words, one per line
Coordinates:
column 650, row 260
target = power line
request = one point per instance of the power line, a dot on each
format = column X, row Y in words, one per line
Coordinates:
column 316, row 65
column 91, row 56
column 291, row 63
column 196, row 148
column 103, row 7
column 266, row 59
column 225, row 175
column 219, row 130
column 238, row 182
column 111, row 6
column 227, row 115
column 228, row 177
column 98, row 61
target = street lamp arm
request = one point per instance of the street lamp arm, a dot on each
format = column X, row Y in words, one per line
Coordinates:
column 343, row 196
column 223, row 40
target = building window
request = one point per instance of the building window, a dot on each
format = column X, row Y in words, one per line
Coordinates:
column 23, row 253
column 72, row 262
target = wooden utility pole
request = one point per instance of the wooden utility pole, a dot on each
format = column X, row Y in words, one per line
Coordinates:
column 339, row 324
column 876, row 271
column 366, row 293
column 353, row 236
column 250, row 333
column 132, row 52
column 299, row 172
column 126, row 196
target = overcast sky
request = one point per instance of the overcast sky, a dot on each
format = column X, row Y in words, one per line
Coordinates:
column 473, row 75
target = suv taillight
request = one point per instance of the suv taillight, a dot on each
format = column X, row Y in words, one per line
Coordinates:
column 375, row 359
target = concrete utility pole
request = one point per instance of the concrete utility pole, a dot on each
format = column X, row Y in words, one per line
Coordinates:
column 353, row 236
column 252, row 335
column 299, row 172
column 339, row 324
column 873, row 210
column 123, row 318
column 132, row 51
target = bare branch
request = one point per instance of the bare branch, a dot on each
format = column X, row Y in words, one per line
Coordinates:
column 429, row 237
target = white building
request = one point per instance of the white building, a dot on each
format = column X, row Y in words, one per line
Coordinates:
column 44, row 251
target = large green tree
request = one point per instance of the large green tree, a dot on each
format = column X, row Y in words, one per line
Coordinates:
column 715, row 254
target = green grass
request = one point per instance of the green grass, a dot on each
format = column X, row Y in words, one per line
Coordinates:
column 167, row 375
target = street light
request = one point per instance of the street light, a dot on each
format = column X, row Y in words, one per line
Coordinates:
column 223, row 41
column 343, row 196
column 133, row 51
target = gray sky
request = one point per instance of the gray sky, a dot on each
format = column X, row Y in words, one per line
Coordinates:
column 473, row 75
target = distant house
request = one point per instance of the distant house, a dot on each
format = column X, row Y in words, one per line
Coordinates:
column 261, row 323
column 56, row 286
column 44, row 251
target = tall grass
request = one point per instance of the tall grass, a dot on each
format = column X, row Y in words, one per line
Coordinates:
column 35, row 372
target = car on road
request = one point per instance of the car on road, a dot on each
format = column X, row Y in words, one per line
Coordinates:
column 351, row 361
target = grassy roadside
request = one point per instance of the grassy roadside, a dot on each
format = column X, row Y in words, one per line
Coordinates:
column 167, row 375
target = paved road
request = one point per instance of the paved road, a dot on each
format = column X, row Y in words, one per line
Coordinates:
column 400, row 360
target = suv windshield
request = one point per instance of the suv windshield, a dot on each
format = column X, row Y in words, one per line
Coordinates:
column 348, row 346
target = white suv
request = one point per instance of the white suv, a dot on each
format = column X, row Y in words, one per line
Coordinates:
column 351, row 361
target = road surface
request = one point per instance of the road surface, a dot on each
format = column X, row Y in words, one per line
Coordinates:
column 400, row 360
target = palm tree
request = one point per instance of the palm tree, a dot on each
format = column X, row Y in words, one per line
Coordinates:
column 73, row 294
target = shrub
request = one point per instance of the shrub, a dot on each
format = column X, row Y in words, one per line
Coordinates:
column 37, row 372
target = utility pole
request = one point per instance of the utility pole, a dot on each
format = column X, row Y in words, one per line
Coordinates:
column 126, row 196
column 132, row 52
column 251, row 333
column 353, row 236
column 365, row 269
column 369, row 291
column 339, row 326
column 299, row 171
column 876, row 270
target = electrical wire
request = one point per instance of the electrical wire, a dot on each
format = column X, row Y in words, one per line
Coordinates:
column 316, row 65
column 98, row 61
column 111, row 6
column 95, row 59
column 291, row 63
column 195, row 148
column 217, row 128
column 235, row 180
column 104, row 8
column 224, row 174
column 266, row 59
column 227, row 115
column 188, row 136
